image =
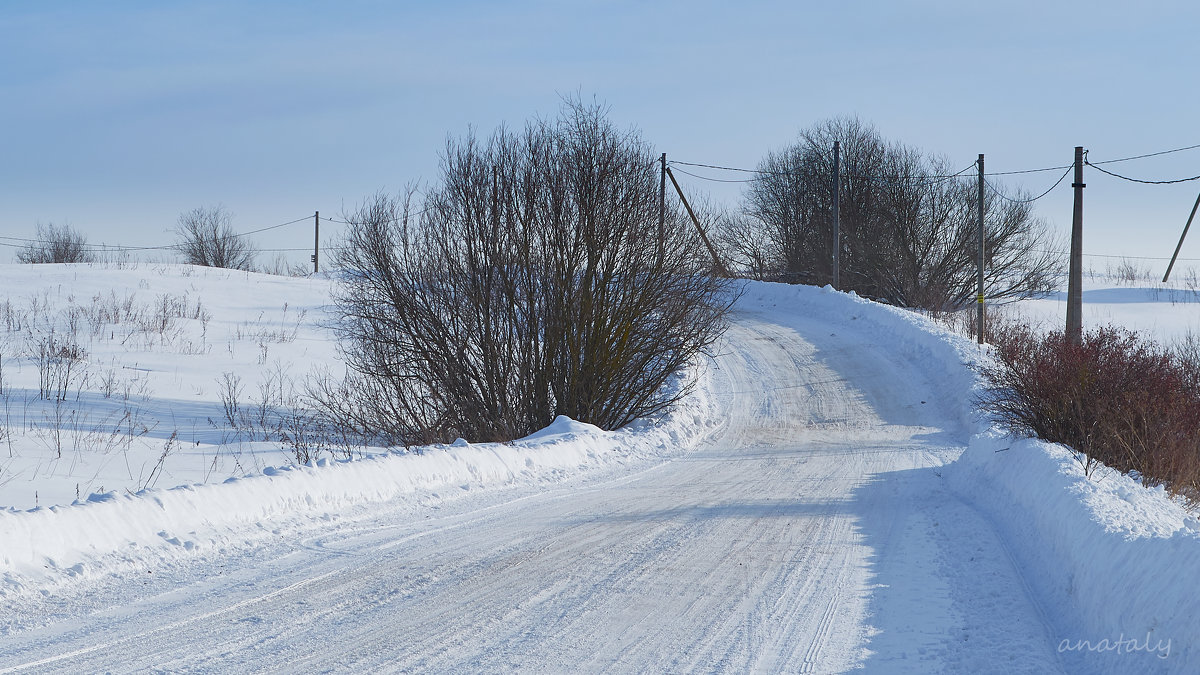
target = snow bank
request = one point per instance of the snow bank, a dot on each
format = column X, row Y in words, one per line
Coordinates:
column 1105, row 555
column 259, row 327
column 42, row 545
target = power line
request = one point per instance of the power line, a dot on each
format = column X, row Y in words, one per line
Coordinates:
column 273, row 227
column 1144, row 182
column 1042, row 170
column 397, row 219
column 722, row 168
column 714, row 180
column 1152, row 154
column 91, row 248
column 1034, row 199
column 1117, row 257
column 766, row 172
column 993, row 173
column 104, row 248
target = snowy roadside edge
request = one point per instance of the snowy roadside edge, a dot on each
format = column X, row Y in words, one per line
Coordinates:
column 43, row 547
column 1105, row 555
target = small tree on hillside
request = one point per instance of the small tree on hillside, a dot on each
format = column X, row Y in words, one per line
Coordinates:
column 56, row 244
column 206, row 237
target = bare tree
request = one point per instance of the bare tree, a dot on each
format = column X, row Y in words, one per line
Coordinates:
column 206, row 237
column 531, row 284
column 56, row 244
column 908, row 228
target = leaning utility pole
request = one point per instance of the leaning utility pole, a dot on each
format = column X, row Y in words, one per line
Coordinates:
column 1075, row 273
column 982, row 259
column 1178, row 246
column 719, row 267
column 837, row 214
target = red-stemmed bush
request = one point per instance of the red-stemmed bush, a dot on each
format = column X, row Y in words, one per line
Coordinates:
column 1116, row 398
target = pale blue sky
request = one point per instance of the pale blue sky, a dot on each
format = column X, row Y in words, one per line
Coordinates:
column 118, row 116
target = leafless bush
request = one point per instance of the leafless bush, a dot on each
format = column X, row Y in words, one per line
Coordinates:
column 259, row 331
column 56, row 244
column 533, row 284
column 230, row 393
column 169, row 446
column 14, row 319
column 60, row 364
column 282, row 414
column 206, row 237
column 1114, row 397
column 115, row 258
column 280, row 266
column 1128, row 272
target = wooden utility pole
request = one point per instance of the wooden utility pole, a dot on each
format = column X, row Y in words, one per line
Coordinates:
column 1075, row 272
column 1180, row 244
column 837, row 214
column 316, row 240
column 662, row 210
column 979, row 296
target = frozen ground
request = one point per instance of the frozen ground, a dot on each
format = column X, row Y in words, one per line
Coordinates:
column 826, row 502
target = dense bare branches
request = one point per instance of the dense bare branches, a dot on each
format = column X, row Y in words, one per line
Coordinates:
column 909, row 235
column 532, row 284
column 1114, row 397
column 56, row 244
column 206, row 237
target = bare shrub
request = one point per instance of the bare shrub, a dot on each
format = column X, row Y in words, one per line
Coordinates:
column 533, row 283
column 206, row 237
column 1129, row 272
column 60, row 364
column 280, row 266
column 230, row 393
column 169, row 446
column 56, row 244
column 1116, row 398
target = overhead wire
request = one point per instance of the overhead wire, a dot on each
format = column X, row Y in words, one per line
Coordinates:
column 1151, row 154
column 766, row 172
column 102, row 248
column 19, row 242
column 1031, row 200
column 714, row 180
column 1139, row 180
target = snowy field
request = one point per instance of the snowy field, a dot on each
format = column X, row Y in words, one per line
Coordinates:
column 826, row 501
column 1135, row 298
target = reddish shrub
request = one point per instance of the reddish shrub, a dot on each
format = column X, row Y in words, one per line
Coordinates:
column 1115, row 397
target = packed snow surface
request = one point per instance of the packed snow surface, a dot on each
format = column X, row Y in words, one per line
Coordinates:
column 825, row 500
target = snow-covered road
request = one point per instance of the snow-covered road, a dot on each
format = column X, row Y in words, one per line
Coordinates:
column 811, row 533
